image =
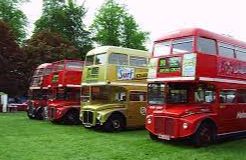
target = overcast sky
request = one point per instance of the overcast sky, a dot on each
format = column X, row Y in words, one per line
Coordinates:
column 161, row 16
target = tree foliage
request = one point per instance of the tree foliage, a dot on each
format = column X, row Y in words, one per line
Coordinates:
column 14, row 17
column 46, row 46
column 67, row 20
column 132, row 37
column 113, row 25
column 106, row 25
column 11, row 62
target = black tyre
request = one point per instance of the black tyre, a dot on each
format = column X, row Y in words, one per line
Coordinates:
column 204, row 136
column 153, row 137
column 39, row 114
column 55, row 121
column 71, row 118
column 115, row 122
column 30, row 116
column 30, row 113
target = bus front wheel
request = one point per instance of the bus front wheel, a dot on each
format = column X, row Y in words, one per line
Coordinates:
column 40, row 114
column 114, row 123
column 71, row 118
column 30, row 114
column 204, row 135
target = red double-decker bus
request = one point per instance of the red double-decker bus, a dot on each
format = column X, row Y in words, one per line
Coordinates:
column 197, row 87
column 39, row 91
column 64, row 105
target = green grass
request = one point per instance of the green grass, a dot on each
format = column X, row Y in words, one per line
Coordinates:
column 24, row 139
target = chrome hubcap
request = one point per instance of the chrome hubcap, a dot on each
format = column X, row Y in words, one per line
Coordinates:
column 116, row 123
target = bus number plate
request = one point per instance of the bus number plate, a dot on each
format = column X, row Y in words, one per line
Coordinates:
column 163, row 136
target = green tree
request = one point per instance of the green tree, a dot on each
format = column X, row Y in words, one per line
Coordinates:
column 75, row 28
column 52, row 16
column 113, row 25
column 67, row 20
column 14, row 17
column 106, row 25
column 132, row 36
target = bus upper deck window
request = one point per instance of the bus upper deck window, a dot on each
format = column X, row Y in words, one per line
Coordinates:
column 74, row 66
column 58, row 67
column 162, row 48
column 100, row 59
column 226, row 50
column 183, row 45
column 89, row 60
column 206, row 45
column 47, row 71
column 118, row 58
column 38, row 72
column 241, row 54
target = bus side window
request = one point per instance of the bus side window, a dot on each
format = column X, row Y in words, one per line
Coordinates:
column 226, row 50
column 209, row 96
column 138, row 61
column 199, row 96
column 241, row 96
column 241, row 54
column 227, row 96
column 120, row 96
column 137, row 96
column 204, row 95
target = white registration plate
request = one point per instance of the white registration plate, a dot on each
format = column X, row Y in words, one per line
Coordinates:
column 163, row 136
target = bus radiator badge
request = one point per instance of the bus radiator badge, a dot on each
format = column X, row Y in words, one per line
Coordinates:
column 241, row 115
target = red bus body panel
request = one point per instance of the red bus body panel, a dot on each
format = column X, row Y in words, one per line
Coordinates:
column 224, row 73
column 64, row 79
column 41, row 82
column 58, row 108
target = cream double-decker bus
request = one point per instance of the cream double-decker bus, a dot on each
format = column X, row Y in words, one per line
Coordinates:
column 114, row 86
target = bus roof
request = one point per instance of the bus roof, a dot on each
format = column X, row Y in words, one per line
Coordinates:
column 44, row 65
column 115, row 49
column 67, row 60
column 203, row 33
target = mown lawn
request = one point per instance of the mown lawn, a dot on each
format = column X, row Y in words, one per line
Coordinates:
column 24, row 139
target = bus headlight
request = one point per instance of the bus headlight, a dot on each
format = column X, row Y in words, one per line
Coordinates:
column 149, row 121
column 185, row 125
column 81, row 114
column 58, row 111
column 99, row 117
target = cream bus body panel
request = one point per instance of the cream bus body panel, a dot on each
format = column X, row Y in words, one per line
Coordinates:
column 132, row 110
column 108, row 75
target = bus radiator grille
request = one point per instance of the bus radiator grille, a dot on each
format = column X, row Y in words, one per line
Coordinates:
column 88, row 117
column 52, row 113
column 164, row 125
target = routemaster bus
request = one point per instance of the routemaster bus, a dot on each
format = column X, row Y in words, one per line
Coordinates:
column 196, row 87
column 64, row 103
column 39, row 91
column 114, row 87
